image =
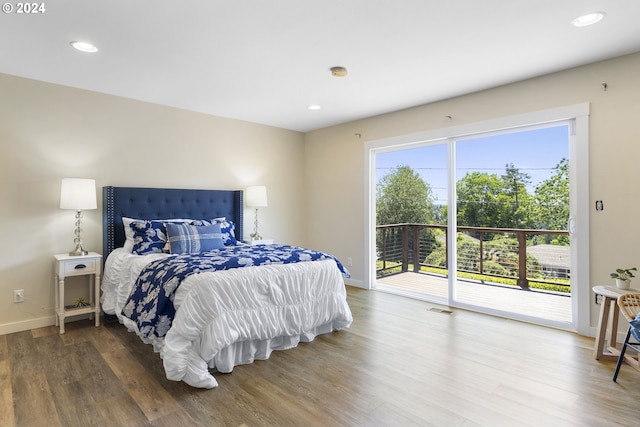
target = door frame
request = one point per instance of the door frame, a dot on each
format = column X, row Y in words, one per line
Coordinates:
column 578, row 114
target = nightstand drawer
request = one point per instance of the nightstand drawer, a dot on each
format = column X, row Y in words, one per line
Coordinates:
column 81, row 266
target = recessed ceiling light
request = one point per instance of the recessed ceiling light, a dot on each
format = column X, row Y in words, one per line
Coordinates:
column 588, row 19
column 314, row 107
column 84, row 46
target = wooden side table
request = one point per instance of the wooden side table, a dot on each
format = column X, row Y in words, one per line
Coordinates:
column 85, row 265
column 609, row 306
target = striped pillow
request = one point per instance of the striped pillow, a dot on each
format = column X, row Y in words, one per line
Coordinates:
column 191, row 239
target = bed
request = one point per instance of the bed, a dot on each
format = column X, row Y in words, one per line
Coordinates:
column 212, row 302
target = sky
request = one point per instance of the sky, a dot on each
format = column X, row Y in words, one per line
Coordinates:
column 534, row 152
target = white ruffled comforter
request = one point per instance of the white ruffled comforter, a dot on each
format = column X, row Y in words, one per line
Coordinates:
column 233, row 317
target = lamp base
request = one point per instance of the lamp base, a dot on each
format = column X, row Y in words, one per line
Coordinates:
column 78, row 251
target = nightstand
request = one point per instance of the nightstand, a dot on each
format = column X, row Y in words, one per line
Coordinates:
column 85, row 265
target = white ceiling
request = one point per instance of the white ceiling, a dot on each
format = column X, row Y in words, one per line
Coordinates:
column 266, row 61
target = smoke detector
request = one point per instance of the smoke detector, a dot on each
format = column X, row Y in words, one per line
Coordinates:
column 338, row 71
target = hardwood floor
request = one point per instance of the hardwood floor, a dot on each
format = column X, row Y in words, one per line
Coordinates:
column 402, row 362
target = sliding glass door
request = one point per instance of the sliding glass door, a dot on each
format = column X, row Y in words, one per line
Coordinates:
column 482, row 221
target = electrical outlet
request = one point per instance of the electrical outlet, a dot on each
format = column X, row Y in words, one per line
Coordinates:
column 598, row 299
column 18, row 295
column 349, row 262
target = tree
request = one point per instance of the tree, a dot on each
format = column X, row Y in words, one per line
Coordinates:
column 478, row 201
column 486, row 200
column 515, row 190
column 552, row 201
column 403, row 197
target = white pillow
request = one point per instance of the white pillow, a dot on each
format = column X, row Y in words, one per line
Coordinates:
column 128, row 234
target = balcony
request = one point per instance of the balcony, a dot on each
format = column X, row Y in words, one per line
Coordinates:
column 506, row 270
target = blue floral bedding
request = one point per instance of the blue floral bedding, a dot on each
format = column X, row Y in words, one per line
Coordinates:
column 150, row 304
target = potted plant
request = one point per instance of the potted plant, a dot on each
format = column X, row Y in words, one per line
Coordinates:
column 623, row 277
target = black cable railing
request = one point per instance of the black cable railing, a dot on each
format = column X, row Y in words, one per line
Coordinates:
column 524, row 255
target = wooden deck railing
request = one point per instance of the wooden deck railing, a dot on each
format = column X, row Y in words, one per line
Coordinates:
column 402, row 245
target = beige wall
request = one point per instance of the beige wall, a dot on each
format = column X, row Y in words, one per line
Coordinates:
column 335, row 199
column 49, row 132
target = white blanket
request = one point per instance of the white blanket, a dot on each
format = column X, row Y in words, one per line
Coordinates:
column 233, row 317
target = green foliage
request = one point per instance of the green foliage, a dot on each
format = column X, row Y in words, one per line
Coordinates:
column 486, row 200
column 500, row 256
column 483, row 200
column 517, row 198
column 479, row 200
column 562, row 288
column 430, row 240
column 505, row 251
column 623, row 273
column 403, row 197
column 493, row 267
column 468, row 253
column 440, row 214
column 437, row 257
column 551, row 208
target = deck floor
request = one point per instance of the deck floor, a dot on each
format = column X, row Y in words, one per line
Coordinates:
column 549, row 306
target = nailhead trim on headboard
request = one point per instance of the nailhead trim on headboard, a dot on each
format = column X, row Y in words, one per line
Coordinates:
column 108, row 220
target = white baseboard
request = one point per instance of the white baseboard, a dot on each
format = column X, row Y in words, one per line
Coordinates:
column 41, row 322
column 27, row 325
column 356, row 283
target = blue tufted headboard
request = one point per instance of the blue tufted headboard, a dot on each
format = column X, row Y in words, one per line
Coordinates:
column 163, row 203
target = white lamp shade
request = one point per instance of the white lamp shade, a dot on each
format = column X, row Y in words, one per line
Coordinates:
column 256, row 196
column 78, row 194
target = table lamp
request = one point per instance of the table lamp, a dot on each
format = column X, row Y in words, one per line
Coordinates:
column 256, row 198
column 78, row 195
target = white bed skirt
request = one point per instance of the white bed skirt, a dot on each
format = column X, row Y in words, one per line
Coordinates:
column 233, row 317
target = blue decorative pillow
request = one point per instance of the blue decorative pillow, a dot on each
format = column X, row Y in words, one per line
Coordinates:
column 149, row 237
column 192, row 239
column 227, row 228
column 128, row 230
